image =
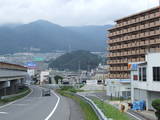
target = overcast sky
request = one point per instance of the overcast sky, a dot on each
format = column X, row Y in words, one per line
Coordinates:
column 70, row 12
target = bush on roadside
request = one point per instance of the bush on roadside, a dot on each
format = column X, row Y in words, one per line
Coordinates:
column 156, row 106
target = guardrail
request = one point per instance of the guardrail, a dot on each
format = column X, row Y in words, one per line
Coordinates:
column 98, row 112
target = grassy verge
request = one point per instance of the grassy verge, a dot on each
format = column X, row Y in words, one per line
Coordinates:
column 89, row 113
column 71, row 89
column 110, row 111
column 25, row 92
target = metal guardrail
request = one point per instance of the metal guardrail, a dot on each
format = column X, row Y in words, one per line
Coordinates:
column 98, row 112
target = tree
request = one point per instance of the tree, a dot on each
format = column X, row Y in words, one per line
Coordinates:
column 75, row 61
column 156, row 106
column 57, row 78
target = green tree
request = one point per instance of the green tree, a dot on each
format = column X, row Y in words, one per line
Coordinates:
column 156, row 106
column 57, row 78
column 76, row 60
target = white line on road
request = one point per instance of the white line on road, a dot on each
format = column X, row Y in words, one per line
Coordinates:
column 49, row 116
column 3, row 113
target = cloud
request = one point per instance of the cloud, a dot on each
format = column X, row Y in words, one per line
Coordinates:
column 70, row 12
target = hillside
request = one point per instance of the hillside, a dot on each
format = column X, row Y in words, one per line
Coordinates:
column 76, row 60
column 47, row 37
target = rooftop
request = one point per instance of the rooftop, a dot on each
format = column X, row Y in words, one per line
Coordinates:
column 142, row 12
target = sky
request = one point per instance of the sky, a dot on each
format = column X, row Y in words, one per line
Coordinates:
column 70, row 12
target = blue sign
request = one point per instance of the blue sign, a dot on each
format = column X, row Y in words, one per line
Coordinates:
column 30, row 64
column 125, row 80
column 134, row 67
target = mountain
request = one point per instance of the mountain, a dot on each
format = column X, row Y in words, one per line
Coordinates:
column 47, row 37
column 76, row 60
column 96, row 34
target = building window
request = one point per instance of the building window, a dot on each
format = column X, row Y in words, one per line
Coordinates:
column 144, row 74
column 156, row 73
column 135, row 77
column 140, row 74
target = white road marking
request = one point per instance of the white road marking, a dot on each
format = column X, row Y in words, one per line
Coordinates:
column 3, row 113
column 49, row 116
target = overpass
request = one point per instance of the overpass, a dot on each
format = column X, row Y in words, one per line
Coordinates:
column 12, row 77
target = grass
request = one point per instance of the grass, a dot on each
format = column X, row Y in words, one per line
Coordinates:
column 25, row 92
column 110, row 111
column 89, row 113
column 70, row 89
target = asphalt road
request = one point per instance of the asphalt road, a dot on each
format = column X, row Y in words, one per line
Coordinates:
column 36, row 107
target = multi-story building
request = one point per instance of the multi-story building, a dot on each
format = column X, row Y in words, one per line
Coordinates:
column 131, row 38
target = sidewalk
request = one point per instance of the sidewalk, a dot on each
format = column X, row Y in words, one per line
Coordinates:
column 148, row 114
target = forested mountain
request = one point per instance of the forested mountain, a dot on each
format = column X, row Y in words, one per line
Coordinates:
column 83, row 60
column 47, row 37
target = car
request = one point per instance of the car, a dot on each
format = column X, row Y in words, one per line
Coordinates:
column 46, row 92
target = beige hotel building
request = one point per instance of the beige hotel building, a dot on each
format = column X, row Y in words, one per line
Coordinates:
column 129, row 40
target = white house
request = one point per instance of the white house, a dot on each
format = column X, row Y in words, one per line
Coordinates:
column 118, row 88
column 44, row 77
column 145, row 80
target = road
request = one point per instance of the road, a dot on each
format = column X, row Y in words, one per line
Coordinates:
column 36, row 107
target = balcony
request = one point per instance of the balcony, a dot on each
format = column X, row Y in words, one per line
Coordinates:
column 152, row 24
column 157, row 32
column 146, row 42
column 152, row 42
column 142, row 18
column 142, row 59
column 157, row 41
column 152, row 32
column 141, row 43
column 157, row 23
column 142, row 51
column 148, row 25
column 152, row 15
column 157, row 14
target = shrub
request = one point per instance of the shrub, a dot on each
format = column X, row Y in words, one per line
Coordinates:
column 156, row 106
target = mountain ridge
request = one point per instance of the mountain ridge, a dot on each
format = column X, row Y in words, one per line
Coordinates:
column 48, row 36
